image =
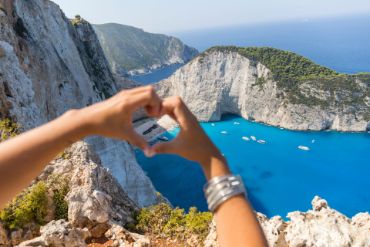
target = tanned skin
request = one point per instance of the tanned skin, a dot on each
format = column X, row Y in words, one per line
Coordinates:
column 24, row 157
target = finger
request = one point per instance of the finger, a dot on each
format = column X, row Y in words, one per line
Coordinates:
column 147, row 98
column 163, row 148
column 175, row 107
column 137, row 140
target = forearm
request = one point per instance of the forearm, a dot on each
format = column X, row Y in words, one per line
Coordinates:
column 236, row 221
column 24, row 157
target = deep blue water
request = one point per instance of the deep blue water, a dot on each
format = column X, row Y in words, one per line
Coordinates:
column 279, row 177
column 156, row 75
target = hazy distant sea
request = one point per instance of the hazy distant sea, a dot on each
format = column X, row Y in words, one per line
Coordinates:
column 341, row 43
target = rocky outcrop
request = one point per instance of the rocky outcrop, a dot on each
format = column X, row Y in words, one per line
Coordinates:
column 222, row 81
column 49, row 66
column 59, row 234
column 95, row 198
column 121, row 237
column 95, row 202
column 134, row 51
column 321, row 226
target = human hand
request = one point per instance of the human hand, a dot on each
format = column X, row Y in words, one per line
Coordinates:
column 192, row 142
column 113, row 117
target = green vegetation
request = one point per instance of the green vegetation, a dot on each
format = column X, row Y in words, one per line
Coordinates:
column 8, row 129
column 30, row 206
column 290, row 71
column 77, row 20
column 60, row 187
column 164, row 221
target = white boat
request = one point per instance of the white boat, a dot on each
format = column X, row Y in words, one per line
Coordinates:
column 224, row 132
column 253, row 138
column 261, row 141
column 163, row 138
column 212, row 124
column 245, row 138
column 304, row 148
column 236, row 123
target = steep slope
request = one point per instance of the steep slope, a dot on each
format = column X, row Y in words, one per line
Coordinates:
column 131, row 50
column 271, row 86
column 48, row 66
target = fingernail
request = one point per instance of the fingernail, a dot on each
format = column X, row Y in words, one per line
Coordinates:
column 149, row 152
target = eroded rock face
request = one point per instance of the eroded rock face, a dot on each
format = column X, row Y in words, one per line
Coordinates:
column 133, row 51
column 122, row 237
column 59, row 234
column 49, row 66
column 95, row 198
column 322, row 226
column 226, row 82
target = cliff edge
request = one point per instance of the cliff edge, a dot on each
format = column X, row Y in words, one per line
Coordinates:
column 49, row 65
column 271, row 86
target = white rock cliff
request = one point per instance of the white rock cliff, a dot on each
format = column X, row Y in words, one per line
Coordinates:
column 49, row 66
column 220, row 82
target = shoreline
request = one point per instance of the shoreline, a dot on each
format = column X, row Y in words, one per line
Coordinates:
column 165, row 124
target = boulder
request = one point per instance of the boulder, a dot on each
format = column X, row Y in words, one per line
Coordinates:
column 59, row 234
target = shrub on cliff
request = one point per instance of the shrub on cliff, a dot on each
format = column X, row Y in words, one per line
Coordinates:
column 8, row 129
column 77, row 20
column 30, row 206
column 166, row 222
column 60, row 187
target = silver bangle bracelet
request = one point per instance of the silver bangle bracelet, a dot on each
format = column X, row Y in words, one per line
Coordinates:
column 220, row 189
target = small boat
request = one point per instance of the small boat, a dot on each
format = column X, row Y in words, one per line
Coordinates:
column 224, row 132
column 245, row 138
column 236, row 123
column 212, row 124
column 163, row 138
column 253, row 138
column 261, row 141
column 304, row 148
column 313, row 141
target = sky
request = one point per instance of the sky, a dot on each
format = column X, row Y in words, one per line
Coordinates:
column 168, row 16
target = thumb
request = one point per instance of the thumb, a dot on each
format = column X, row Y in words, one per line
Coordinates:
column 137, row 140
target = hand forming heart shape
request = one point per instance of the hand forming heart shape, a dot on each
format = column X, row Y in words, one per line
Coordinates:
column 113, row 118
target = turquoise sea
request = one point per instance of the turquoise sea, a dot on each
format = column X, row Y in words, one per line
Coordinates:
column 279, row 176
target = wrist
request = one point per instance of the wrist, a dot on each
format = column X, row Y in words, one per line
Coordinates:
column 78, row 122
column 215, row 166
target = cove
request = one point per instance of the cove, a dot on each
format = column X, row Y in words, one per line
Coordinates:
column 279, row 176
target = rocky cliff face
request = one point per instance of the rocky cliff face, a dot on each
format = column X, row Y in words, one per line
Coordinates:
column 321, row 226
column 226, row 81
column 134, row 51
column 48, row 66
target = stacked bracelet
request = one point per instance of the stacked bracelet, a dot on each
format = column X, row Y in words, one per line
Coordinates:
column 219, row 189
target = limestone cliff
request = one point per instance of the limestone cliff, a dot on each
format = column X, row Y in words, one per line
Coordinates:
column 271, row 86
column 321, row 226
column 47, row 66
column 134, row 51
